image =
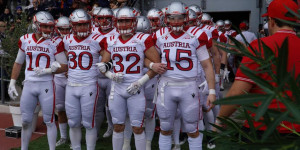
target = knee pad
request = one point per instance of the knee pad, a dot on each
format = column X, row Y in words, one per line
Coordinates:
column 88, row 125
column 73, row 123
column 166, row 126
column 191, row 114
column 25, row 125
column 60, row 107
column 136, row 123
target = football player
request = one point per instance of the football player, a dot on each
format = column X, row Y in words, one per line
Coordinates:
column 128, row 51
column 180, row 49
column 82, row 91
column 44, row 56
column 62, row 29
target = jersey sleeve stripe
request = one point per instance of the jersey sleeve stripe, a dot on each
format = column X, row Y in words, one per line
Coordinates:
column 196, row 31
column 94, row 36
column 193, row 30
column 97, row 37
column 142, row 36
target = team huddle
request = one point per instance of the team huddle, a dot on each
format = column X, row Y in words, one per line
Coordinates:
column 127, row 68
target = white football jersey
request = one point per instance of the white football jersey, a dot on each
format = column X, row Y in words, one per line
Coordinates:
column 128, row 56
column 39, row 54
column 211, row 32
column 222, row 37
column 179, row 52
column 83, row 56
column 249, row 36
column 232, row 33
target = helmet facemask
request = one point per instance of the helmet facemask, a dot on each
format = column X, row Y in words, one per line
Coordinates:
column 45, row 30
column 82, row 29
column 105, row 22
column 63, row 31
column 177, row 22
column 126, row 26
column 155, row 23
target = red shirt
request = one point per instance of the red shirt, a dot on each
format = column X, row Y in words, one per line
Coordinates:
column 293, row 61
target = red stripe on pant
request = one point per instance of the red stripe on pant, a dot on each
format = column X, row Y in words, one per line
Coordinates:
column 144, row 113
column 95, row 105
column 52, row 118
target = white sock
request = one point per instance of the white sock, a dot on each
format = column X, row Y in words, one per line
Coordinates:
column 108, row 117
column 126, row 145
column 128, row 129
column 176, row 131
column 118, row 140
column 99, row 119
column 148, row 145
column 75, row 137
column 140, row 141
column 91, row 137
column 63, row 130
column 196, row 143
column 51, row 134
column 208, row 118
column 149, row 128
column 165, row 142
column 26, row 135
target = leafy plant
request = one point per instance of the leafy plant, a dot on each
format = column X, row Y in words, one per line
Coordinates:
column 283, row 86
column 10, row 45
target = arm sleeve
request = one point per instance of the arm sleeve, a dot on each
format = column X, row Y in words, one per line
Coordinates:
column 103, row 44
column 215, row 34
column 61, row 58
column 60, row 48
column 202, row 53
column 20, row 57
column 148, row 43
column 203, row 40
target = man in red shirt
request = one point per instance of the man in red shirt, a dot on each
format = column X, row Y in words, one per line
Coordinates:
column 279, row 31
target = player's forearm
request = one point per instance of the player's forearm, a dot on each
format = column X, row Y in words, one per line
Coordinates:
column 16, row 71
column 151, row 73
column 105, row 57
column 209, row 73
column 152, row 55
column 63, row 68
column 147, row 63
column 216, row 57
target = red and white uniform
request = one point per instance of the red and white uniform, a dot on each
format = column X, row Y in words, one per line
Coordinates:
column 212, row 34
column 249, row 36
column 82, row 90
column 105, row 85
column 222, row 37
column 83, row 55
column 128, row 58
column 38, row 88
column 232, row 33
column 177, row 87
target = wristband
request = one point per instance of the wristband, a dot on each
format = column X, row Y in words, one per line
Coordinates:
column 108, row 66
column 144, row 79
column 151, row 64
column 212, row 91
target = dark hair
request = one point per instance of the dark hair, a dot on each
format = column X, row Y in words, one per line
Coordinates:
column 280, row 23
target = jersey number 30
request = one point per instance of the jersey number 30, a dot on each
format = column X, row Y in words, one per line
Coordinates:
column 73, row 56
